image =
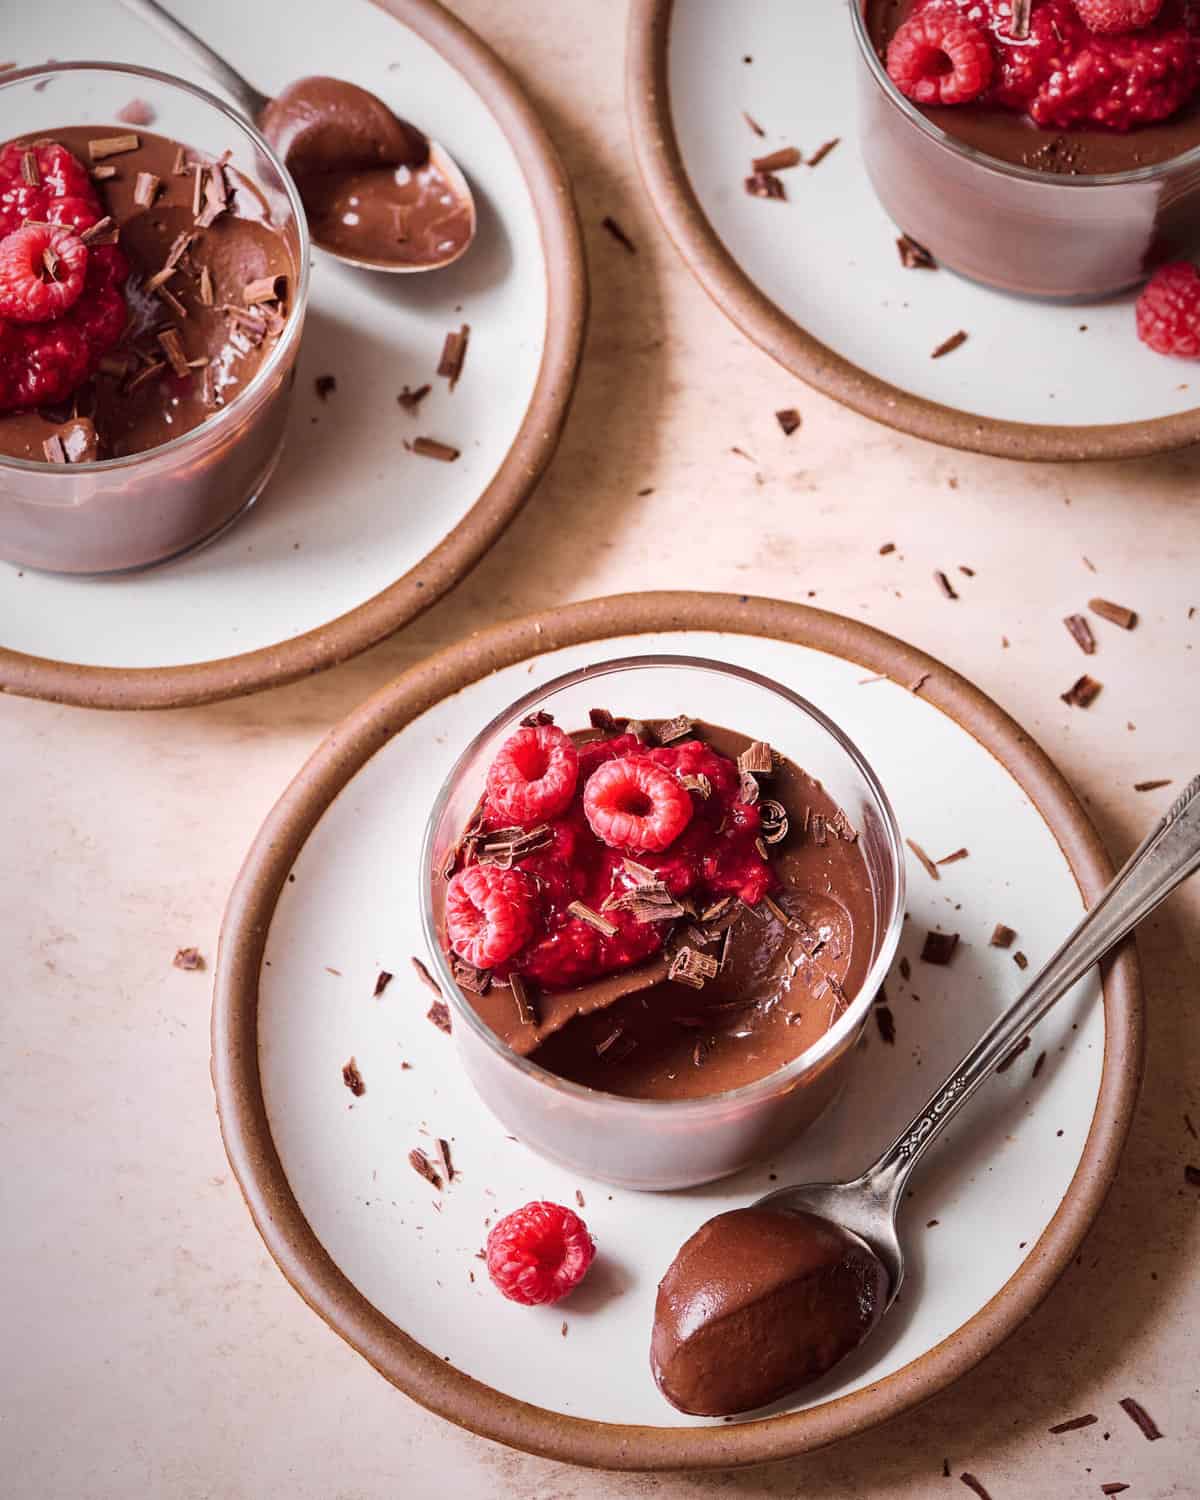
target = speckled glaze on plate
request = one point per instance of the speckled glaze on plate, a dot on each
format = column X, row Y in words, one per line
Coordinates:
column 355, row 536
column 816, row 281
column 327, row 898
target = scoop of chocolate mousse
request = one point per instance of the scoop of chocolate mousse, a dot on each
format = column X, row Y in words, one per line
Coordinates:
column 321, row 125
column 758, row 1303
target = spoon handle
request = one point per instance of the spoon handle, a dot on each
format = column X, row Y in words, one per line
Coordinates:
column 247, row 96
column 1167, row 856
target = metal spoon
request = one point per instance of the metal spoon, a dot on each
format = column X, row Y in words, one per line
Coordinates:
column 868, row 1205
column 253, row 103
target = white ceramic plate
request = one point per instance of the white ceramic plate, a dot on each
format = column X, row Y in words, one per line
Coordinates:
column 825, row 260
column 349, row 511
column 349, row 908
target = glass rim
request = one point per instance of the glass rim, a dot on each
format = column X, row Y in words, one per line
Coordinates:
column 830, row 1041
column 1133, row 176
column 226, row 415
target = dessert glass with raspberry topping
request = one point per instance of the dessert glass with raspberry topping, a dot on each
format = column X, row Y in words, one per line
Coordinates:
column 153, row 283
column 1049, row 148
column 660, row 922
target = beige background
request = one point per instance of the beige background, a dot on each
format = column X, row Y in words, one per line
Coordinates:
column 149, row 1345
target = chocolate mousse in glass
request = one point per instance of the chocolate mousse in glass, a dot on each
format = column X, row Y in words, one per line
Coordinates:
column 1022, row 188
column 660, row 960
column 144, row 416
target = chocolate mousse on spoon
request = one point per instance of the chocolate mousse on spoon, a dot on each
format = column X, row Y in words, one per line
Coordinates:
column 762, row 1300
column 379, row 194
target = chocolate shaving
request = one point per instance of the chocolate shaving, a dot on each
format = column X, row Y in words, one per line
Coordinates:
column 179, row 167
column 945, row 585
column 1136, row 1412
column 264, row 289
column 216, row 195
column 1009, row 1058
column 443, row 1146
column 699, row 784
column 886, row 1023
column 789, row 420
column 593, row 918
column 104, row 173
column 753, row 123
column 765, row 185
column 843, row 827
column 425, row 976
column 948, row 346
column 1116, row 614
column 30, row 175
column 100, row 232
column 1113, row 1489
column 939, row 947
column 675, row 729
column 774, row 820
column 198, row 174
column 145, row 189
column 914, row 256
column 610, row 1041
column 717, row 909
column 1020, row 960
column 953, row 859
column 428, row 447
column 410, row 400
column 973, row 1484
column 886, row 548
column 323, row 385
column 525, row 1011
column 618, row 234
column 172, row 347
column 468, row 977
column 439, row 1014
column 748, row 790
column 53, row 449
column 579, row 1200
column 160, row 278
column 1074, row 1424
column 1082, row 693
column 166, row 295
column 823, row 151
column 778, row 161
column 1081, row 634
column 1002, row 937
column 208, row 297
column 382, row 981
column 692, row 968
column 151, row 372
column 931, row 869
column 454, row 352
column 816, row 828
column 1038, row 1065
column 1019, row 30
column 112, row 145
column 757, row 758
column 1151, row 786
column 600, row 718
column 352, row 1078
column 905, row 968
column 423, row 1167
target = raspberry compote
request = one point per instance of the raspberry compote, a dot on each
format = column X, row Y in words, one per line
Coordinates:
column 659, row 910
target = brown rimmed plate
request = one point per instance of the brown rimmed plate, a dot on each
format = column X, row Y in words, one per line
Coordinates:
column 327, row 898
column 816, row 281
column 355, row 535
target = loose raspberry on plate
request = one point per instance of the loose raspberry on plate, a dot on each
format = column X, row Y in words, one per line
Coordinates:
column 937, row 57
column 539, row 1253
column 1168, row 311
column 42, row 272
column 1107, row 16
column 489, row 914
column 533, row 777
column 635, row 805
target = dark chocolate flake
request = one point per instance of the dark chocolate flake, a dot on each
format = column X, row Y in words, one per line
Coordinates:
column 188, row 958
column 411, row 400
column 675, row 729
column 692, row 968
column 423, row 1167
column 953, row 859
column 886, row 1023
column 945, row 585
column 948, row 346
column 145, row 189
column 750, row 120
column 1137, row 1413
column 352, row 1078
column 929, row 866
column 974, row 1484
column 1081, row 633
column 439, row 1014
column 53, row 449
column 1082, row 693
column 427, row 447
column 757, row 758
column 1073, row 1424
column 1151, row 786
column 454, row 352
column 939, row 947
column 778, row 161
column 325, row 385
column 1010, row 1057
column 1020, row 960
column 1115, row 1488
column 525, row 1011
column 30, row 175
column 789, row 420
column 618, row 234
column 1116, row 614
column 823, row 151
column 382, row 981
column 1002, row 937
column 765, row 185
column 103, row 232
column 593, row 918
column 913, row 255
column 1039, row 1064
column 112, row 145
column 425, row 976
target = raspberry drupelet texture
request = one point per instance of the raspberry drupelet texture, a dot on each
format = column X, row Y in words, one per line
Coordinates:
column 634, row 805
column 53, row 334
column 533, row 777
column 1114, row 16
column 938, row 57
column 489, row 914
column 1168, row 311
column 539, row 1253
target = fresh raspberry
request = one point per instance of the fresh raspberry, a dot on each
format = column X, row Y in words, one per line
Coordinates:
column 635, row 805
column 539, row 1253
column 938, row 57
column 42, row 272
column 533, row 777
column 1168, row 311
column 489, row 914
column 1107, row 16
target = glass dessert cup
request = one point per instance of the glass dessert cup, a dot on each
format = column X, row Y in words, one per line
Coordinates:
column 1038, row 234
column 656, row 1144
column 119, row 514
